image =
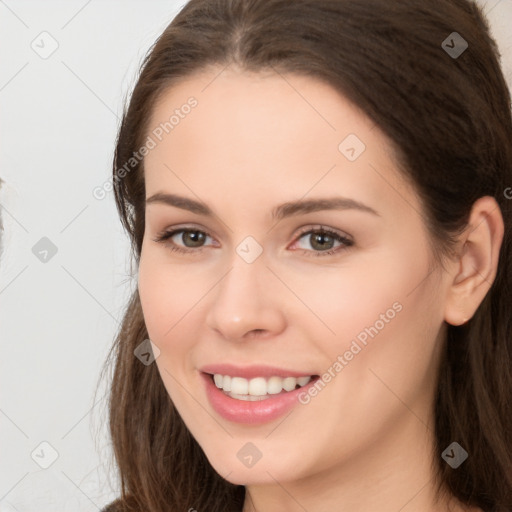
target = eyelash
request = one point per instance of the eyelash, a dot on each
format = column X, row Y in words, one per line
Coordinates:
column 165, row 235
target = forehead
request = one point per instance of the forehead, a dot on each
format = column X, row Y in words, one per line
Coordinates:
column 260, row 108
column 255, row 132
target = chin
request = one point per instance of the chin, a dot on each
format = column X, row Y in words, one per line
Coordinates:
column 252, row 476
column 261, row 472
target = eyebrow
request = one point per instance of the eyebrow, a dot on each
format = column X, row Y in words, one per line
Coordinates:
column 287, row 209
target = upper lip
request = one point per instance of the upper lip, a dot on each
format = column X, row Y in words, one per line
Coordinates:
column 252, row 371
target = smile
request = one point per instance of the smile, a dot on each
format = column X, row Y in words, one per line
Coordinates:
column 259, row 388
column 254, row 400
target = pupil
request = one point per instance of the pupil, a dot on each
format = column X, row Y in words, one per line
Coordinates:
column 319, row 238
column 195, row 236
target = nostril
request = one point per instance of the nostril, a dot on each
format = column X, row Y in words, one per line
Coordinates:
column 257, row 332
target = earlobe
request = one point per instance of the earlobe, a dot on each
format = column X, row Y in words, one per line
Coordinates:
column 476, row 266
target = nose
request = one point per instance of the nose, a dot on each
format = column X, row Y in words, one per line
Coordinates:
column 247, row 302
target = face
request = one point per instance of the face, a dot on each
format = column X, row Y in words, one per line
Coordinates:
column 335, row 285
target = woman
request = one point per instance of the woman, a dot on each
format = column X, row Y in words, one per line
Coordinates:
column 316, row 196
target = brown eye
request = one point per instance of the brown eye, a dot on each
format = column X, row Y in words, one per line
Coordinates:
column 192, row 240
column 323, row 240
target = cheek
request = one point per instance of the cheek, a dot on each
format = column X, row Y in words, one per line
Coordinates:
column 386, row 333
column 167, row 293
column 380, row 312
column 343, row 301
column 168, row 299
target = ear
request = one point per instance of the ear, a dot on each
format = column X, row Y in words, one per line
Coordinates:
column 475, row 268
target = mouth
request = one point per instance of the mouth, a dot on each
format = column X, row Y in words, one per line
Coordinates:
column 258, row 388
column 256, row 399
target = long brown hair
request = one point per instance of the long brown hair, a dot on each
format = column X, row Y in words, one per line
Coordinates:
column 448, row 118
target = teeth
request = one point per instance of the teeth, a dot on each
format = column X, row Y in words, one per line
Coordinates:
column 302, row 381
column 274, row 385
column 239, row 386
column 289, row 383
column 250, row 389
column 218, row 379
column 257, row 387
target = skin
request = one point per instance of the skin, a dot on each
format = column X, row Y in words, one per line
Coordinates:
column 254, row 141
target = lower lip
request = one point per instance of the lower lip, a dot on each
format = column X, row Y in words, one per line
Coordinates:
column 252, row 412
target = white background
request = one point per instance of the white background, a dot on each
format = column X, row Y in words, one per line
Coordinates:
column 58, row 123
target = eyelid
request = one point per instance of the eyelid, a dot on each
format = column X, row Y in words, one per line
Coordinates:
column 320, row 227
